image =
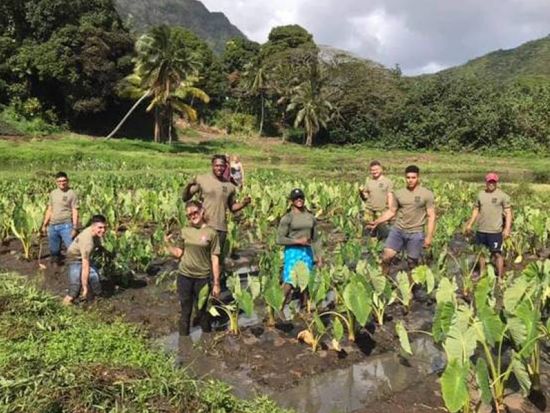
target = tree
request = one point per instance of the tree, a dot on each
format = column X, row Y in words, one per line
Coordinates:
column 314, row 110
column 166, row 70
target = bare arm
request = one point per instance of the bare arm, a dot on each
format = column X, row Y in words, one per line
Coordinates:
column 216, row 289
column 385, row 217
column 171, row 249
column 47, row 217
column 431, row 227
column 364, row 194
column 85, row 276
column 389, row 199
column 473, row 219
column 507, row 222
column 190, row 189
column 237, row 206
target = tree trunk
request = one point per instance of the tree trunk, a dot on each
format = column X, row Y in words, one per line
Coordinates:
column 262, row 114
column 158, row 125
column 117, row 127
column 170, row 116
column 309, row 139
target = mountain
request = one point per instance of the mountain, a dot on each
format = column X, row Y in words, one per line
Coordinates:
column 530, row 60
column 213, row 27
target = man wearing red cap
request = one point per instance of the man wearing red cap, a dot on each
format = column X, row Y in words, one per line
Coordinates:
column 491, row 206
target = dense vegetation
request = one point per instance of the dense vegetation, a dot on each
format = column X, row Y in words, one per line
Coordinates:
column 70, row 64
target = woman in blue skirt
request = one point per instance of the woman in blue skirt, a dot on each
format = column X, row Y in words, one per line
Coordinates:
column 297, row 232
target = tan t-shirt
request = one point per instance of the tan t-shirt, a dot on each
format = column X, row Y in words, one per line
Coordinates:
column 199, row 244
column 62, row 203
column 491, row 210
column 83, row 246
column 217, row 197
column 412, row 208
column 378, row 193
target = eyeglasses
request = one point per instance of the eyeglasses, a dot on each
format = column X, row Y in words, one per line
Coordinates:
column 193, row 213
column 60, row 181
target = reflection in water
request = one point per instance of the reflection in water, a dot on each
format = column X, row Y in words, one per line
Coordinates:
column 343, row 390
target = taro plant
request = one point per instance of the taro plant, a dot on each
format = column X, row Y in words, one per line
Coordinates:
column 382, row 293
column 25, row 223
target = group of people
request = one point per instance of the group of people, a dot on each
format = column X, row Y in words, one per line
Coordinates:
column 404, row 219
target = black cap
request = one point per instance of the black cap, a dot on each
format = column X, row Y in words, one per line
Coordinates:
column 296, row 193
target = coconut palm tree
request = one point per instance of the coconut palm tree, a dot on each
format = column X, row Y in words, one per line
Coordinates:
column 313, row 108
column 165, row 72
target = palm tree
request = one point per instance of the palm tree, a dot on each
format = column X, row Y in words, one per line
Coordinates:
column 257, row 85
column 165, row 71
column 314, row 110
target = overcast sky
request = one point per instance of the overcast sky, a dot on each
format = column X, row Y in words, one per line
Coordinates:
column 421, row 35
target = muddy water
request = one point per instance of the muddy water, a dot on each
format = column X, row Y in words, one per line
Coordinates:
column 341, row 390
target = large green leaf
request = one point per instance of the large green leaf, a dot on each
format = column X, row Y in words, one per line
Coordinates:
column 246, row 303
column 203, row 295
column 274, row 296
column 446, row 291
column 521, row 374
column 300, row 276
column 454, row 386
column 442, row 320
column 378, row 282
column 254, row 286
column 462, row 338
column 424, row 275
column 337, row 329
column 404, row 287
column 403, row 337
column 357, row 300
column 482, row 378
column 514, row 294
column 493, row 327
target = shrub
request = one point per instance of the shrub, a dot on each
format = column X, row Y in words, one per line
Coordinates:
column 235, row 122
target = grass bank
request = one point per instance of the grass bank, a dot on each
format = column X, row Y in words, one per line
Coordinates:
column 79, row 153
column 56, row 359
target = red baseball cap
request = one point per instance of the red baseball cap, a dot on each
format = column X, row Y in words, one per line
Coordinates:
column 491, row 176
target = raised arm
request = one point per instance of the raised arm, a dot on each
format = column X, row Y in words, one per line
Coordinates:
column 190, row 189
column 237, row 206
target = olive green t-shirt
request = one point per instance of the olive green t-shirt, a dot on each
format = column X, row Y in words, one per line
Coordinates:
column 491, row 210
column 217, row 197
column 412, row 208
column 378, row 193
column 199, row 244
column 62, row 203
column 297, row 225
column 83, row 246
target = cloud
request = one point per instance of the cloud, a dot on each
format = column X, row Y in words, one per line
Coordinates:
column 422, row 35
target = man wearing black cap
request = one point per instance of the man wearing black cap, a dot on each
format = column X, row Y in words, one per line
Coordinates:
column 492, row 205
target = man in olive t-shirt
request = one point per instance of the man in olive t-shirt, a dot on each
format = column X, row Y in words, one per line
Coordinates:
column 82, row 273
column 414, row 208
column 217, row 196
column 61, row 218
column 491, row 208
column 378, row 197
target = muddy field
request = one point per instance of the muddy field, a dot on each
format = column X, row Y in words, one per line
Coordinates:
column 367, row 376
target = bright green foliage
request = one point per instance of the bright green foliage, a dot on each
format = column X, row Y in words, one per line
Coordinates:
column 454, row 385
column 403, row 337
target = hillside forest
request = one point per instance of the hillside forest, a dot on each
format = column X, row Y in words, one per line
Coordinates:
column 77, row 65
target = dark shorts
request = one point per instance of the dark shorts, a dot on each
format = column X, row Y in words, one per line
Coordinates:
column 491, row 241
column 412, row 243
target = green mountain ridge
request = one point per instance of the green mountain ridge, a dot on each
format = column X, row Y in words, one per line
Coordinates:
column 529, row 60
column 213, row 27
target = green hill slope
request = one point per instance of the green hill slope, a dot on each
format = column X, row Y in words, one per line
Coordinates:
column 213, row 27
column 530, row 60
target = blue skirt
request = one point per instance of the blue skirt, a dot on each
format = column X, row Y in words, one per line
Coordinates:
column 293, row 255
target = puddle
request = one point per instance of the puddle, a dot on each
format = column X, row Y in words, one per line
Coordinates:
column 339, row 390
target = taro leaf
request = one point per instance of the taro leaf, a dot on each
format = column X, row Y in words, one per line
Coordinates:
column 482, row 378
column 361, row 267
column 319, row 291
column 234, row 284
column 254, row 286
column 300, row 276
column 404, row 287
column 403, row 337
column 337, row 329
column 493, row 327
column 514, row 293
column 445, row 291
column 442, row 320
column 274, row 296
column 419, row 274
column 482, row 292
column 461, row 339
column 357, row 301
column 521, row 374
column 454, row 385
column 530, row 318
column 430, row 281
column 214, row 311
column 518, row 330
column 319, row 325
column 203, row 296
column 378, row 282
column 246, row 303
